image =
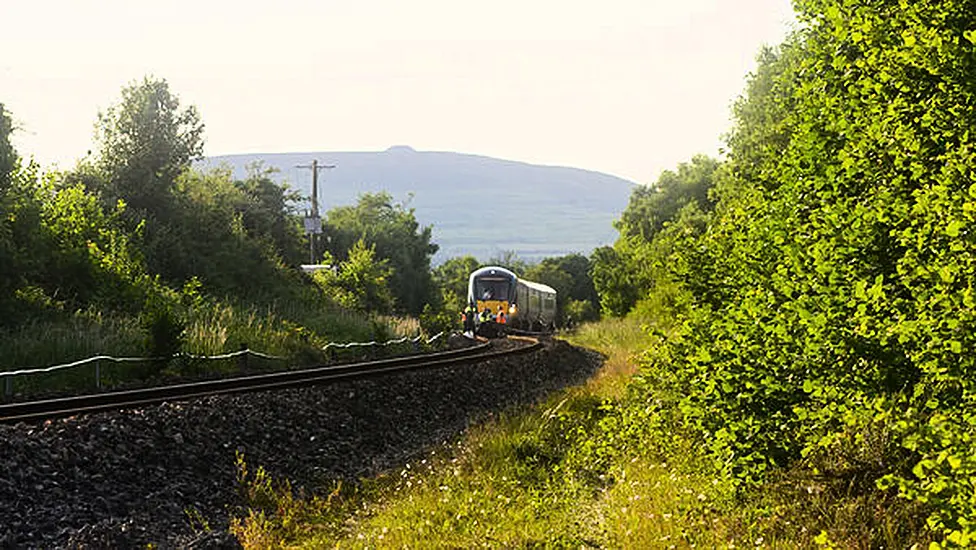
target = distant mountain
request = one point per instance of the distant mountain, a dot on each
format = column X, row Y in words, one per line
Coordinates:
column 477, row 205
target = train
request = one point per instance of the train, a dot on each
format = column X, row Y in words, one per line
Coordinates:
column 527, row 305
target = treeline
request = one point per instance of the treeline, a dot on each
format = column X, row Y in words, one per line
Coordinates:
column 178, row 259
column 136, row 241
column 814, row 291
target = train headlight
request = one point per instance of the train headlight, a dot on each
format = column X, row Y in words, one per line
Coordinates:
column 511, row 309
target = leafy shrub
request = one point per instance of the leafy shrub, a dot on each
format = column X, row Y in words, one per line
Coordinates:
column 831, row 287
column 360, row 282
column 165, row 327
column 433, row 322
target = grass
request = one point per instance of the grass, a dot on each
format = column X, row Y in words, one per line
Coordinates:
column 538, row 476
column 297, row 332
column 590, row 467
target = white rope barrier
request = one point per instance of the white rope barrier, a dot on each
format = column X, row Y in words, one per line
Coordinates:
column 387, row 343
column 231, row 355
column 79, row 363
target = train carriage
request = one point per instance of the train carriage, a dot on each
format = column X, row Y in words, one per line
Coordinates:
column 528, row 305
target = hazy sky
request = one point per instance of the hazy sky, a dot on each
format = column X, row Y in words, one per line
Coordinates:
column 628, row 87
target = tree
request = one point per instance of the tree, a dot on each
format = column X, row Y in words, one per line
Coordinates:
column 627, row 273
column 580, row 270
column 226, row 233
column 392, row 229
column 9, row 271
column 548, row 273
column 613, row 279
column 267, row 211
column 145, row 142
column 8, row 155
column 832, row 286
column 651, row 207
column 452, row 278
column 572, row 278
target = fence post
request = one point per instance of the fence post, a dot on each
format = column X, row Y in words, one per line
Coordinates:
column 98, row 374
column 8, row 387
column 242, row 358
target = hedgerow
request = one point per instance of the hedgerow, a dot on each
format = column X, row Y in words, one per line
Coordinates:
column 832, row 312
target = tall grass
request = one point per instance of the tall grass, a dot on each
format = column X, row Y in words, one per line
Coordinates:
column 622, row 342
column 84, row 334
column 44, row 343
column 296, row 331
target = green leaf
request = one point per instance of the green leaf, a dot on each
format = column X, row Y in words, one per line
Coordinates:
column 954, row 227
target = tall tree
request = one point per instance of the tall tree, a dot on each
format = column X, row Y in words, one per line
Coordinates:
column 9, row 272
column 837, row 299
column 626, row 274
column 8, row 155
column 145, row 142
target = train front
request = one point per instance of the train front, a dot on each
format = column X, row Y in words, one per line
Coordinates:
column 492, row 288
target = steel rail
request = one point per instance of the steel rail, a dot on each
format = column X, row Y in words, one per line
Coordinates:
column 35, row 411
column 511, row 331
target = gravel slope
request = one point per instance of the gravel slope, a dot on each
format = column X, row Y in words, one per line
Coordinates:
column 129, row 478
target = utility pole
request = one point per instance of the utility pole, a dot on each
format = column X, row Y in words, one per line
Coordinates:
column 313, row 223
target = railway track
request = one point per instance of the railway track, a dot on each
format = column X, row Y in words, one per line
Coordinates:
column 36, row 411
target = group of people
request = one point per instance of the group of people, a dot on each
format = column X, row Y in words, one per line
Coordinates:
column 485, row 316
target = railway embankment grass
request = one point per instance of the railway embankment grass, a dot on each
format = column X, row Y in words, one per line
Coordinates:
column 295, row 333
column 590, row 466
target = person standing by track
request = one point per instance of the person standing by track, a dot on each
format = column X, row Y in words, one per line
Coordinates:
column 467, row 317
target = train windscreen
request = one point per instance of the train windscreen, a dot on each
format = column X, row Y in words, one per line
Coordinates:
column 492, row 288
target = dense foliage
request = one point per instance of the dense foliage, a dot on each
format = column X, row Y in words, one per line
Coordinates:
column 657, row 218
column 135, row 239
column 572, row 278
column 361, row 282
column 452, row 278
column 145, row 142
column 392, row 229
column 826, row 305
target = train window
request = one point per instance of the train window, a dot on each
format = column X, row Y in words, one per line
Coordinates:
column 492, row 289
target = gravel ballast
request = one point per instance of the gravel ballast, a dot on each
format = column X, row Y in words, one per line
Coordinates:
column 156, row 475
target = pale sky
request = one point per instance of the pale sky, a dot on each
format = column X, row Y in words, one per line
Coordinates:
column 627, row 87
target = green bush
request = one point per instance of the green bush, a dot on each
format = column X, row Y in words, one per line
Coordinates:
column 434, row 322
column 831, row 287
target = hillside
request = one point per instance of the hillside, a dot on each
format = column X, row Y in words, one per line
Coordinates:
column 477, row 205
